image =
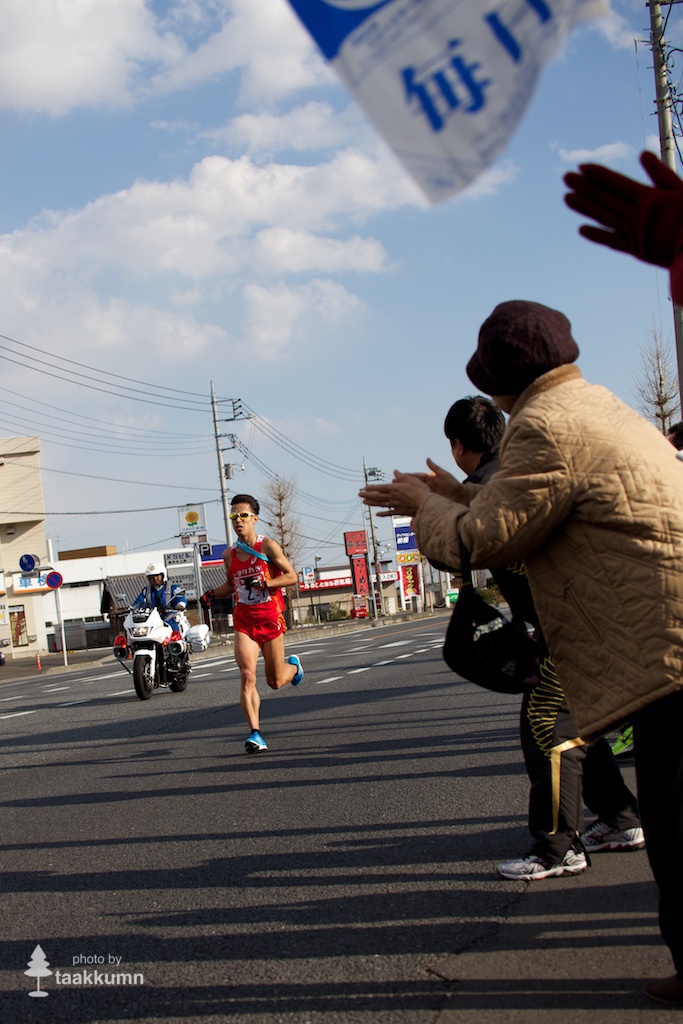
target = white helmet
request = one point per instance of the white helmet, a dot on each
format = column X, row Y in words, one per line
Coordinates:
column 155, row 569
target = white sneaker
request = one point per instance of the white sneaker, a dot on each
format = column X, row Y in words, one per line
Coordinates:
column 602, row 837
column 533, row 868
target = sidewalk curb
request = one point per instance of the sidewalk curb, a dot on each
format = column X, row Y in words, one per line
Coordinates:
column 52, row 664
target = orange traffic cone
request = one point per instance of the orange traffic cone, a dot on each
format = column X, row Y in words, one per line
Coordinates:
column 38, row 665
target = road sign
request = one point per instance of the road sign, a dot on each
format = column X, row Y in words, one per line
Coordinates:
column 27, row 563
column 54, row 580
column 178, row 558
column 192, row 520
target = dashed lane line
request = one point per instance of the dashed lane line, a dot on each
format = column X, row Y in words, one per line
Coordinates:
column 129, row 691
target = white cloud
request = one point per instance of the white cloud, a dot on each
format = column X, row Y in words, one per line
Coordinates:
column 652, row 143
column 265, row 41
column 312, row 126
column 187, row 263
column 491, row 181
column 281, row 316
column 611, row 152
column 58, row 55
column 55, row 56
column 279, row 248
column 617, row 31
column 202, row 227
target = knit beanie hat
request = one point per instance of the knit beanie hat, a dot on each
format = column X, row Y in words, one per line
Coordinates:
column 519, row 342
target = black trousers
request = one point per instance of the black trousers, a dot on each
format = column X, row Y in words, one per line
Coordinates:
column 565, row 773
column 554, row 754
column 604, row 791
column 658, row 748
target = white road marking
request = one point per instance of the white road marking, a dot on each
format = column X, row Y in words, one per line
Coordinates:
column 354, row 671
column 55, row 689
column 330, row 679
column 71, row 703
column 19, row 696
column 17, row 714
column 96, row 679
column 376, row 664
column 396, row 643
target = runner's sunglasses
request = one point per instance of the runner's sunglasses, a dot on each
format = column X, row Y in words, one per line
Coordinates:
column 241, row 515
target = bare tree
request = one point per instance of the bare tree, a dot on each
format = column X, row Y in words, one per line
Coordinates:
column 656, row 382
column 279, row 506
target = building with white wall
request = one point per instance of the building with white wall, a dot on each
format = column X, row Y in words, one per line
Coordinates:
column 22, row 531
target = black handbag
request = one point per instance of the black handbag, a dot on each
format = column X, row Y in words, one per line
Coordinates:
column 483, row 647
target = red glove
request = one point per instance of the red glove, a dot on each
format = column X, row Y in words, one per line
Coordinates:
column 645, row 221
column 206, row 599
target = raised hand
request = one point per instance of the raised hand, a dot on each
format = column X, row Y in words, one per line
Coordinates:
column 643, row 220
column 402, row 497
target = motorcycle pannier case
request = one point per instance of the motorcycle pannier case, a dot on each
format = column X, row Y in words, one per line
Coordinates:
column 198, row 638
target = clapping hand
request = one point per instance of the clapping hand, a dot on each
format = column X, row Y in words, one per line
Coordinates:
column 402, row 497
column 645, row 221
column 440, row 481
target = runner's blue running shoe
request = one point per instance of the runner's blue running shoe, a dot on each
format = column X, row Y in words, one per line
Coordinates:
column 293, row 660
column 255, row 743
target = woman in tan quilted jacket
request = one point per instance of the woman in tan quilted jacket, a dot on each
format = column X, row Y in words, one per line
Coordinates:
column 590, row 496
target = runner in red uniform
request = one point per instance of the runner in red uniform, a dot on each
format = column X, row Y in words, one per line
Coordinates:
column 257, row 570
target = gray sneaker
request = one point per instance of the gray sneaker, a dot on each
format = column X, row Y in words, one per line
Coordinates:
column 600, row 837
column 533, row 868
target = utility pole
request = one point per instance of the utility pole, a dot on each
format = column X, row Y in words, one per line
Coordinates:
column 237, row 414
column 666, row 142
column 375, row 474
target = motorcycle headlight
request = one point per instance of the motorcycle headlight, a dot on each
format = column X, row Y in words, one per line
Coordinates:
column 140, row 630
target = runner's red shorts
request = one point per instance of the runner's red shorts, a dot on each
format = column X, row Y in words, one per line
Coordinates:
column 260, row 622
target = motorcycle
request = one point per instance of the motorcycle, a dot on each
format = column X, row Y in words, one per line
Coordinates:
column 160, row 652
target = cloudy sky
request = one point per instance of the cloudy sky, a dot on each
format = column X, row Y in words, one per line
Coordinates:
column 189, row 197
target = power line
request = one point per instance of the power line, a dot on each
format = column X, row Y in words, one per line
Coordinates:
column 298, row 451
column 103, row 423
column 104, row 512
column 147, row 390
column 113, row 446
column 110, row 479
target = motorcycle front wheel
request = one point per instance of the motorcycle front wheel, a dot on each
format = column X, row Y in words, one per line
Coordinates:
column 142, row 677
column 180, row 682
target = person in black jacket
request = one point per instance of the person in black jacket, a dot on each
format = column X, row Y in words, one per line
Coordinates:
column 562, row 771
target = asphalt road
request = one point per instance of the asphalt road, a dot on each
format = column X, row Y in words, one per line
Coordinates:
column 346, row 875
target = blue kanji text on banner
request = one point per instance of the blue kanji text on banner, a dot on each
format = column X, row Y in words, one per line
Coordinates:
column 445, row 82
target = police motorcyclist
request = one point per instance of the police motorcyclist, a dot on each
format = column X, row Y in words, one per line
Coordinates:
column 154, row 595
